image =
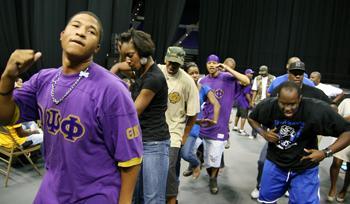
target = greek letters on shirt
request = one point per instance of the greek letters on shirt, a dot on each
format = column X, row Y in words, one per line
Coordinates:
column 219, row 93
column 70, row 127
column 288, row 132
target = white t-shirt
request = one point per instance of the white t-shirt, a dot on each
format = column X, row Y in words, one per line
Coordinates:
column 329, row 90
column 183, row 101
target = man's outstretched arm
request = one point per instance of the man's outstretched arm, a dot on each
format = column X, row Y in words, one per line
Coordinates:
column 19, row 62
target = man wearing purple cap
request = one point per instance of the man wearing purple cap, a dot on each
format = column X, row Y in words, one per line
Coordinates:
column 243, row 102
column 224, row 85
column 92, row 136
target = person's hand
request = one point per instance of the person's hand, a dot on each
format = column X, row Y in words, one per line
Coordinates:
column 222, row 67
column 270, row 135
column 19, row 62
column 206, row 122
column 314, row 155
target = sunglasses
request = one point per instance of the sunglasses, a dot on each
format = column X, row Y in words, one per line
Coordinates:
column 297, row 72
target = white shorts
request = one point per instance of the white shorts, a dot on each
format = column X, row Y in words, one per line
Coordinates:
column 343, row 154
column 213, row 150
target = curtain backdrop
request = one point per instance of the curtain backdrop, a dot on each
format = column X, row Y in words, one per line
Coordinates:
column 162, row 18
column 37, row 24
column 256, row 32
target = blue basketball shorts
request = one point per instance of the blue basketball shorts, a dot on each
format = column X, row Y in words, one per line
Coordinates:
column 303, row 186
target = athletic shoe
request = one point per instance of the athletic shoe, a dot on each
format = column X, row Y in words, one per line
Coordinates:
column 330, row 198
column 340, row 200
column 235, row 128
column 243, row 133
column 251, row 137
column 255, row 193
column 228, row 144
column 187, row 172
column 213, row 186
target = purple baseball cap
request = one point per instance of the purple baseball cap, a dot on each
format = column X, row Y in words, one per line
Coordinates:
column 248, row 71
column 213, row 58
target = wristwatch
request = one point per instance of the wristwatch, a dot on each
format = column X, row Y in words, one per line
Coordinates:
column 327, row 152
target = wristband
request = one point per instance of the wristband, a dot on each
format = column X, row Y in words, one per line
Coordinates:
column 327, row 152
column 7, row 93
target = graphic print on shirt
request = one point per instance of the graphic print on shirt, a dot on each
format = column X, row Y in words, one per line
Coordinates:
column 70, row 127
column 288, row 132
column 174, row 97
column 219, row 93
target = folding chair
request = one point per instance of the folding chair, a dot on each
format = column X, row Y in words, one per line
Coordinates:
column 14, row 152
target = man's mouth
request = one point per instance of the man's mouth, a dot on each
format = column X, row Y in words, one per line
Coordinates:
column 78, row 42
column 288, row 114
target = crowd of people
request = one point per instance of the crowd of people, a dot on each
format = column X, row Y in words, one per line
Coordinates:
column 107, row 141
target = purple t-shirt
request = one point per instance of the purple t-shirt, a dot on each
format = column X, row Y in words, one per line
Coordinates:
column 92, row 131
column 225, row 88
column 241, row 100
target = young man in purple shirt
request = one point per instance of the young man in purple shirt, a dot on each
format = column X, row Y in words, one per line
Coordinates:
column 224, row 85
column 92, row 142
column 243, row 102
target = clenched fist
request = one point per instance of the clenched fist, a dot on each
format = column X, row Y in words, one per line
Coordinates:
column 19, row 62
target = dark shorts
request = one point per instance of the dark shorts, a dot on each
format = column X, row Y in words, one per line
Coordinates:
column 242, row 112
column 172, row 187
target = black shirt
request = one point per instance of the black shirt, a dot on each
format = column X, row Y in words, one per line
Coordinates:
column 152, row 120
column 310, row 92
column 314, row 117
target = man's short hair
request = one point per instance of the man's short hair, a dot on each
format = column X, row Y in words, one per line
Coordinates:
column 290, row 86
column 95, row 17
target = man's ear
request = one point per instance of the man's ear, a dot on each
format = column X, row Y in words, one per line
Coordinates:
column 61, row 35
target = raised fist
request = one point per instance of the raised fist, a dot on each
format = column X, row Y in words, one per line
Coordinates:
column 20, row 61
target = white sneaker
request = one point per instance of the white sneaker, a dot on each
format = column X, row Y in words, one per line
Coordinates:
column 243, row 133
column 228, row 144
column 235, row 128
column 255, row 193
column 251, row 137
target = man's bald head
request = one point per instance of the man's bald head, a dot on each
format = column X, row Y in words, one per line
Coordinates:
column 315, row 77
column 230, row 62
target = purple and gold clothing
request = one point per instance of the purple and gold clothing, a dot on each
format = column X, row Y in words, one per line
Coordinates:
column 241, row 100
column 224, row 87
column 87, row 136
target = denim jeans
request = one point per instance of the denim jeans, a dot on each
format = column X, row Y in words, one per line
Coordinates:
column 151, row 184
column 188, row 152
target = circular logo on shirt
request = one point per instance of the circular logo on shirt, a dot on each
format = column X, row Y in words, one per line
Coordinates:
column 174, row 97
column 219, row 93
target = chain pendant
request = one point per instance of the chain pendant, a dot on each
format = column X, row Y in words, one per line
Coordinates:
column 82, row 74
